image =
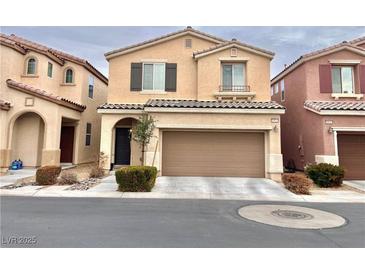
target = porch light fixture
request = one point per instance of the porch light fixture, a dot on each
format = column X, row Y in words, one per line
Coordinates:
column 330, row 130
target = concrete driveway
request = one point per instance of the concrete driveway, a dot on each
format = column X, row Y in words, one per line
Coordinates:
column 224, row 188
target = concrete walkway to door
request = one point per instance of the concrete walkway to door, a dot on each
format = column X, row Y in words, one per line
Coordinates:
column 224, row 188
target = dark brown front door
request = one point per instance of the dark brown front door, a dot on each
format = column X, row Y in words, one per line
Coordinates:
column 122, row 146
column 351, row 153
column 67, row 144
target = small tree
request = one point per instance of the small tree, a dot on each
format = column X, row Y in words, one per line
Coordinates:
column 144, row 132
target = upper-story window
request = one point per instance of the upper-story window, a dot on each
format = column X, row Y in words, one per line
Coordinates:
column 153, row 76
column 342, row 79
column 88, row 134
column 276, row 88
column 31, row 66
column 50, row 70
column 272, row 90
column 233, row 77
column 282, row 87
column 69, row 76
column 91, row 87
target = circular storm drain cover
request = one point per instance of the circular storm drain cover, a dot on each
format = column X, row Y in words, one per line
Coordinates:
column 291, row 216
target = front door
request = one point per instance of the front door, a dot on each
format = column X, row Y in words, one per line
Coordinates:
column 122, row 146
column 67, row 144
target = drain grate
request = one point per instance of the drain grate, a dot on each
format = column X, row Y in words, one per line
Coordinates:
column 291, row 214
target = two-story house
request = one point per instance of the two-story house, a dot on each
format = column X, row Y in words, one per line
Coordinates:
column 323, row 93
column 48, row 102
column 210, row 99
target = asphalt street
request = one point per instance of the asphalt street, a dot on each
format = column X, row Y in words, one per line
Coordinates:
column 99, row 222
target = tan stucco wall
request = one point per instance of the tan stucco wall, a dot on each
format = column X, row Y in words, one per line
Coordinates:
column 198, row 121
column 210, row 73
column 13, row 67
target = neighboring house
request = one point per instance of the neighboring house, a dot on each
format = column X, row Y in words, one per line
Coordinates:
column 210, row 99
column 48, row 102
column 323, row 93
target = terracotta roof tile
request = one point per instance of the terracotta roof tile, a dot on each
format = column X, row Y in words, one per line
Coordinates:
column 45, row 95
column 57, row 55
column 335, row 105
column 122, row 106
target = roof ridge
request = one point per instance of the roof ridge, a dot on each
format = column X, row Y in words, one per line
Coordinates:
column 187, row 29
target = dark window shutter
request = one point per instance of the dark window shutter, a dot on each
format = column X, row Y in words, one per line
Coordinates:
column 362, row 78
column 136, row 76
column 325, row 79
column 170, row 77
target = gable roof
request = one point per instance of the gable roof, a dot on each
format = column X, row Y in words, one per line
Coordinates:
column 45, row 95
column 316, row 54
column 231, row 44
column 160, row 39
column 23, row 46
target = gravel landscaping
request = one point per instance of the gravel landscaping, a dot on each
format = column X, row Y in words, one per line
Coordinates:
column 85, row 184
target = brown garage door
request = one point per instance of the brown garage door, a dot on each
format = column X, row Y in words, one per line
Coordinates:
column 351, row 152
column 235, row 154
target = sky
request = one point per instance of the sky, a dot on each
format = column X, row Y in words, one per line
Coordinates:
column 91, row 43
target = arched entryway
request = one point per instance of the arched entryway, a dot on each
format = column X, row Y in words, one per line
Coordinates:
column 125, row 150
column 28, row 139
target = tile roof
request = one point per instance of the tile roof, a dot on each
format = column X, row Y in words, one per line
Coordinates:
column 317, row 52
column 23, row 45
column 211, row 104
column 122, row 106
column 358, row 40
column 187, row 30
column 4, row 105
column 233, row 42
column 45, row 95
column 335, row 105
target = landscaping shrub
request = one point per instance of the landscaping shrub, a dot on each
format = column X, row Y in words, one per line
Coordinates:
column 47, row 175
column 68, row 178
column 296, row 183
column 136, row 178
column 96, row 172
column 325, row 175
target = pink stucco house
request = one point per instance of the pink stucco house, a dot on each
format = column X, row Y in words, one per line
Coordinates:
column 323, row 93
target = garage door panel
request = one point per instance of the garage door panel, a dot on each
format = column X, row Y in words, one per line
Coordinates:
column 351, row 151
column 213, row 154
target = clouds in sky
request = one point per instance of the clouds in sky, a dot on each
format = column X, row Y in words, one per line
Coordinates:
column 92, row 42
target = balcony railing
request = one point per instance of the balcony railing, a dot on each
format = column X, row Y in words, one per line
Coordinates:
column 223, row 88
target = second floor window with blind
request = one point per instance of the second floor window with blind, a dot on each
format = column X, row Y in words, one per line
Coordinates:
column 233, row 77
column 91, row 87
column 154, row 76
column 342, row 79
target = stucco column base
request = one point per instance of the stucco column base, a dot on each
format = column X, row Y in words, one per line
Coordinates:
column 275, row 176
column 330, row 159
column 5, row 159
column 51, row 157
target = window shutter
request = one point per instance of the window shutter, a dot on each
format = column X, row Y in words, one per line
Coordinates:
column 170, row 77
column 362, row 78
column 136, row 76
column 325, row 79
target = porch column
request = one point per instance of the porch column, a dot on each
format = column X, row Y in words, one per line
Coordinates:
column 107, row 124
column 51, row 152
column 274, row 159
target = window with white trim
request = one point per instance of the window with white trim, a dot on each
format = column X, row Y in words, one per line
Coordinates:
column 31, row 66
column 50, row 70
column 233, row 76
column 342, row 79
column 276, row 88
column 88, row 134
column 282, row 87
column 153, row 76
column 272, row 90
column 69, row 76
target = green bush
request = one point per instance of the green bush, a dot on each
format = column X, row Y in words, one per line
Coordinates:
column 136, row 178
column 325, row 175
column 47, row 175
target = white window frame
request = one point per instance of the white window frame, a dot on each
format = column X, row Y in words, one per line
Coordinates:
column 244, row 72
column 49, row 63
column 35, row 66
column 276, row 89
column 88, row 85
column 353, row 79
column 153, row 74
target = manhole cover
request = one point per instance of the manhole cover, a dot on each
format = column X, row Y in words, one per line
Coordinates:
column 291, row 216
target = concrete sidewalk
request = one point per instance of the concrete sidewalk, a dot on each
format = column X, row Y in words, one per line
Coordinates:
column 187, row 188
column 13, row 176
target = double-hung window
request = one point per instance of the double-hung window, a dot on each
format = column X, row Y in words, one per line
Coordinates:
column 50, row 70
column 282, row 86
column 233, row 77
column 153, row 76
column 88, row 134
column 342, row 79
column 91, row 87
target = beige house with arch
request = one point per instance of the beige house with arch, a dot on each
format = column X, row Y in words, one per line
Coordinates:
column 210, row 99
column 48, row 102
